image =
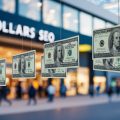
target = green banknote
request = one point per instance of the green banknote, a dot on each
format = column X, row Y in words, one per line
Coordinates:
column 106, row 42
column 107, row 64
column 52, row 73
column 63, row 53
column 23, row 65
column 2, row 72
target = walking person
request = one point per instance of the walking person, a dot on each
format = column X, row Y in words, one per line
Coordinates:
column 51, row 92
column 98, row 90
column 18, row 91
column 91, row 91
column 40, row 91
column 4, row 91
column 110, row 91
column 32, row 94
column 63, row 90
column 117, row 90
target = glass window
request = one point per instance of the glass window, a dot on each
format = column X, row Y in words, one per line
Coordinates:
column 98, row 23
column 30, row 9
column 7, row 5
column 52, row 13
column 70, row 19
column 85, row 24
column 109, row 25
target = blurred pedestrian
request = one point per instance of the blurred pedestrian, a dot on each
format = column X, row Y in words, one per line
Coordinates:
column 51, row 92
column 110, row 92
column 32, row 94
column 4, row 91
column 91, row 90
column 117, row 90
column 98, row 89
column 18, row 91
column 63, row 90
column 40, row 91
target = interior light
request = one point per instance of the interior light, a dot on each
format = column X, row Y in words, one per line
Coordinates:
column 39, row 4
column 25, row 1
column 75, row 21
column 52, row 11
column 7, row 80
column 85, row 48
column 68, row 14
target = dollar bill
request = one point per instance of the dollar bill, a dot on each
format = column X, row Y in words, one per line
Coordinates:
column 63, row 53
column 52, row 73
column 106, row 42
column 2, row 72
column 23, row 65
column 107, row 64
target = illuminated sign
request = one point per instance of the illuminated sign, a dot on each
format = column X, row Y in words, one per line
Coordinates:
column 26, row 31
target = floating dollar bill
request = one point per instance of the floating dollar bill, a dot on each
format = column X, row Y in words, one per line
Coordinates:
column 24, row 65
column 2, row 72
column 106, row 42
column 107, row 64
column 64, row 53
column 52, row 73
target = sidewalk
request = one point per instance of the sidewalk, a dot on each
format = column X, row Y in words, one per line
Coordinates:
column 59, row 103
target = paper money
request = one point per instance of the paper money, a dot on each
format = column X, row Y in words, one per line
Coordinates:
column 64, row 53
column 106, row 42
column 2, row 72
column 107, row 64
column 52, row 73
column 24, row 65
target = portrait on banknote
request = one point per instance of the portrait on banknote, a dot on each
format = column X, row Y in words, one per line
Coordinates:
column 114, row 41
column 59, row 54
column 21, row 65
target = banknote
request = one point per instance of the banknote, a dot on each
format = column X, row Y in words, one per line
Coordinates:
column 52, row 73
column 23, row 65
column 2, row 72
column 106, row 42
column 63, row 53
column 107, row 64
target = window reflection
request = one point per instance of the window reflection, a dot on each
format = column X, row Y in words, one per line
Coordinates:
column 85, row 24
column 7, row 5
column 70, row 19
column 52, row 13
column 30, row 9
column 98, row 23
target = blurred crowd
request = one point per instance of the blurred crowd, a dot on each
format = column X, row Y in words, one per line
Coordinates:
column 34, row 94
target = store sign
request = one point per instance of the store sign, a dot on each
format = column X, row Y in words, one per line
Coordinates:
column 26, row 31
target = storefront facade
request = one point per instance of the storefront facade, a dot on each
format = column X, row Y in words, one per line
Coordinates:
column 20, row 33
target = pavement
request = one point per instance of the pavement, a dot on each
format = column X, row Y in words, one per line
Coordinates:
column 21, row 107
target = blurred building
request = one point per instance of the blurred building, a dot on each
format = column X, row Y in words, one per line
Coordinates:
column 28, row 24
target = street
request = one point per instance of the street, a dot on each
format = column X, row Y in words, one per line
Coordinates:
column 109, row 111
column 98, row 111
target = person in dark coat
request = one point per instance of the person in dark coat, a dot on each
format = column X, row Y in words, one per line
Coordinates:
column 110, row 91
column 18, row 91
column 32, row 94
column 117, row 90
column 40, row 91
column 4, row 91
column 63, row 90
